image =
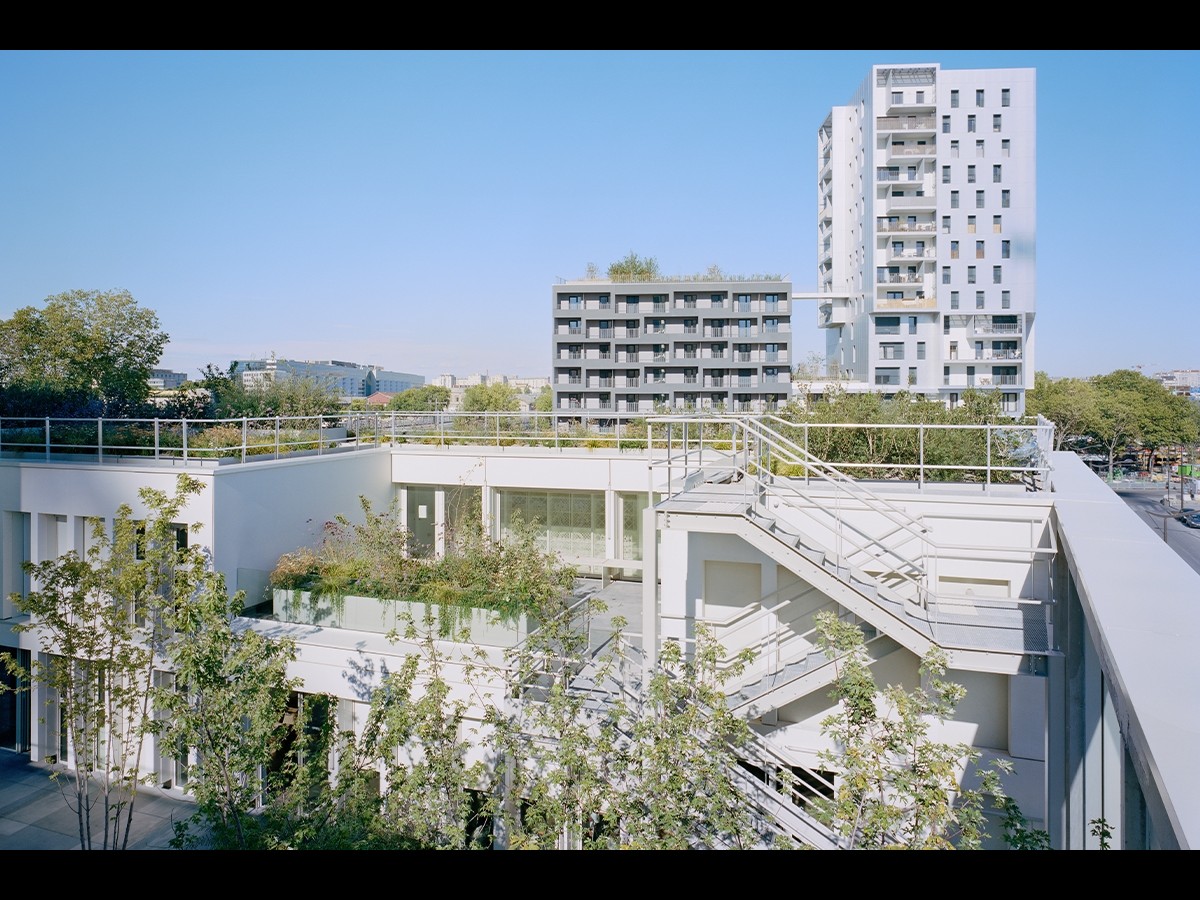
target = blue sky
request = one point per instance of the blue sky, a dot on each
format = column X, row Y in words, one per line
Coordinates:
column 413, row 209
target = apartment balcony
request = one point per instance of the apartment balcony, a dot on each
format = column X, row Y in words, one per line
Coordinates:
column 604, row 333
column 906, row 123
column 906, row 303
column 659, row 357
column 573, row 329
column 603, row 382
column 998, row 354
column 715, row 332
column 883, row 175
column 929, row 201
column 887, row 226
column 633, row 332
column 747, row 381
column 988, row 327
column 910, row 253
column 908, row 151
column 900, row 278
column 715, row 382
column 632, row 381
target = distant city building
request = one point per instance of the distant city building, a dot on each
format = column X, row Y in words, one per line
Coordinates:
column 349, row 379
column 1184, row 382
column 527, row 388
column 165, row 380
column 625, row 349
column 926, row 211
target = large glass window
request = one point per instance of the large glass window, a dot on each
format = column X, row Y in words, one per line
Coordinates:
column 567, row 522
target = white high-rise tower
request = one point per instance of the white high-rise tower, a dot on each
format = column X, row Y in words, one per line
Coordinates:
column 926, row 233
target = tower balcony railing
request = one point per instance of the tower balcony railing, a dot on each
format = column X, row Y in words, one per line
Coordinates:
column 913, row 150
column 924, row 227
column 905, row 123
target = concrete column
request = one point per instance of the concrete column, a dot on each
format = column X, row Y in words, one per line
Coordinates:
column 650, row 588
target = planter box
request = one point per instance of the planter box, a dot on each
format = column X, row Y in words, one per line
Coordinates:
column 381, row 616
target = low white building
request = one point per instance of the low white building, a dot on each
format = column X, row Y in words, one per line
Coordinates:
column 1070, row 624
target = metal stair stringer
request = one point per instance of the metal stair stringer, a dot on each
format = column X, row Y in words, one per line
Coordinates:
column 751, row 701
column 854, row 590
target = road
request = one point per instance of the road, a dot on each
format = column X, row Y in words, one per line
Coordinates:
column 1147, row 503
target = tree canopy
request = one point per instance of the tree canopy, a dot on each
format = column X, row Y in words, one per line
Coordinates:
column 426, row 398
column 1114, row 410
column 82, row 353
column 230, row 398
column 495, row 397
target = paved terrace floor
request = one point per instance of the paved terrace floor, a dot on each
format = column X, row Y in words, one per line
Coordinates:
column 35, row 816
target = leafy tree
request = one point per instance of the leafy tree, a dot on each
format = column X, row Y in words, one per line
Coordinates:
column 82, row 345
column 1159, row 418
column 415, row 732
column 676, row 774
column 650, row 771
column 1117, row 421
column 634, row 268
column 101, row 620
column 897, row 787
column 283, row 396
column 225, row 709
column 494, row 397
column 426, row 398
column 1072, row 404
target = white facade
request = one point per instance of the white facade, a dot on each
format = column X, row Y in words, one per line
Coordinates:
column 927, row 232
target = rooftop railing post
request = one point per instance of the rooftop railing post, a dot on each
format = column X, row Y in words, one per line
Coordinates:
column 277, row 437
column 921, row 456
column 687, row 459
column 320, row 433
column 100, row 438
column 987, row 484
column 245, row 436
column 157, row 446
column 497, row 429
column 183, row 425
column 47, row 437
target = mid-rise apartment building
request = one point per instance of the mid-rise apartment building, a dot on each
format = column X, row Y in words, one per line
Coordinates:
column 926, row 233
column 623, row 349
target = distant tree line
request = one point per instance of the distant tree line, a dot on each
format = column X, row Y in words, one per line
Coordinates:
column 1112, row 412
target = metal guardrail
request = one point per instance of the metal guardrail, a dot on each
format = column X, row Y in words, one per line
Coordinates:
column 211, row 441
